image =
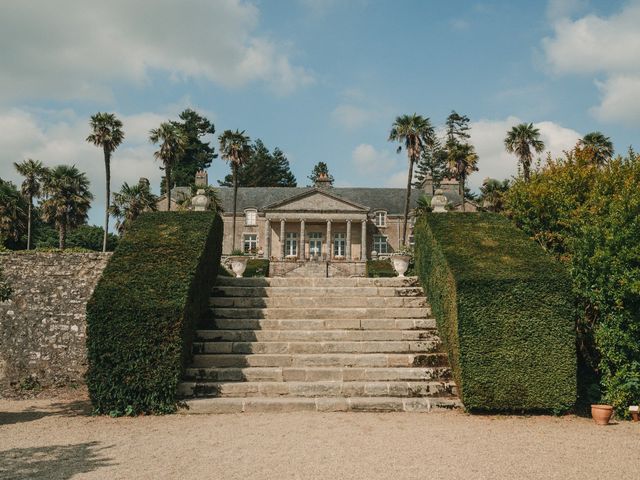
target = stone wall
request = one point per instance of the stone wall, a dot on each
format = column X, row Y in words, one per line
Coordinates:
column 43, row 325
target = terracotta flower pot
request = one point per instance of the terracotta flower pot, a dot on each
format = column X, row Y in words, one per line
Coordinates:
column 635, row 412
column 601, row 414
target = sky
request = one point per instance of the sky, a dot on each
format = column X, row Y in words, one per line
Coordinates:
column 323, row 80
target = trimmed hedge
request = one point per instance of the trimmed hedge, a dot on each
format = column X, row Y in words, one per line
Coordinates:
column 380, row 268
column 145, row 308
column 504, row 310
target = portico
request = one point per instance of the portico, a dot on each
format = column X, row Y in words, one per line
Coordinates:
column 316, row 226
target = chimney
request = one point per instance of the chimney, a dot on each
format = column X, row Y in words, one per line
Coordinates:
column 323, row 181
column 202, row 179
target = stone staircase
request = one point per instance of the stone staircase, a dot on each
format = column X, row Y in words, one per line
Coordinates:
column 320, row 344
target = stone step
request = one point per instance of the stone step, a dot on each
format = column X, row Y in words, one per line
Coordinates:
column 359, row 360
column 322, row 313
column 323, row 324
column 317, row 389
column 299, row 291
column 319, row 404
column 402, row 346
column 318, row 301
column 314, row 335
column 318, row 282
column 317, row 374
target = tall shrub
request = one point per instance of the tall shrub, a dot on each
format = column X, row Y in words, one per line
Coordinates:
column 503, row 311
column 145, row 308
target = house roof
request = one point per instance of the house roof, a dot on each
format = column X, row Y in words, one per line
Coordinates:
column 389, row 199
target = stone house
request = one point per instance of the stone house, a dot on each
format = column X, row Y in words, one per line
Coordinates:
column 342, row 225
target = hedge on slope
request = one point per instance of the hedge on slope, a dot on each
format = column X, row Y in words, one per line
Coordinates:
column 144, row 310
column 504, row 309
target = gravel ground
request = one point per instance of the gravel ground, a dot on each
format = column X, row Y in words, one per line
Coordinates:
column 57, row 439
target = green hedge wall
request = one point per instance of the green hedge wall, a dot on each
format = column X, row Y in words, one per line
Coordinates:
column 145, row 308
column 504, row 310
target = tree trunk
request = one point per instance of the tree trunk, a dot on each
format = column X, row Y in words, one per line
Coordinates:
column 29, row 222
column 234, row 169
column 462, row 182
column 525, row 169
column 62, row 237
column 406, row 201
column 107, row 167
column 167, row 183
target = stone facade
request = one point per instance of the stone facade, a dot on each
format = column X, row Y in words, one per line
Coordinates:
column 43, row 325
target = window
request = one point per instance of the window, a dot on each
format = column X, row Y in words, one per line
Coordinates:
column 380, row 244
column 250, row 243
column 250, row 217
column 291, row 245
column 380, row 219
column 339, row 245
column 315, row 244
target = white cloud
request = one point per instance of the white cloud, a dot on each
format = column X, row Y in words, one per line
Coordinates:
column 620, row 99
column 77, row 50
column 398, row 179
column 488, row 138
column 366, row 158
column 608, row 46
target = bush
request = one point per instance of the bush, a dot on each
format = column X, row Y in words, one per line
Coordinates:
column 504, row 312
column 590, row 216
column 257, row 267
column 380, row 268
column 145, row 308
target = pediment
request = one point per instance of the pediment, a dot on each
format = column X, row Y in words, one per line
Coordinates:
column 316, row 201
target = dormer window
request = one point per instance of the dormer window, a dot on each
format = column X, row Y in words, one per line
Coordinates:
column 380, row 218
column 250, row 217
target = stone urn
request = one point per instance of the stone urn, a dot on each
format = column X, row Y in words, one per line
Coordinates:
column 439, row 202
column 200, row 202
column 400, row 263
column 238, row 264
column 601, row 414
column 635, row 412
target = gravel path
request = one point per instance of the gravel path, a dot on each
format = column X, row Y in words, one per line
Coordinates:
column 56, row 439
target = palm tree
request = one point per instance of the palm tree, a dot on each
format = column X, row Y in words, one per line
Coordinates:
column 12, row 212
column 32, row 171
column 463, row 160
column 600, row 146
column 130, row 202
column 68, row 199
column 106, row 132
column 415, row 133
column 172, row 144
column 235, row 149
column 492, row 194
column 520, row 140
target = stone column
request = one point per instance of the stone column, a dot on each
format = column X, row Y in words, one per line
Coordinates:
column 282, row 240
column 302, row 243
column 363, row 241
column 347, row 254
column 267, row 238
column 329, row 241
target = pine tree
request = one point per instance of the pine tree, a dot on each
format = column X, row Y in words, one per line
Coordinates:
column 263, row 169
column 432, row 164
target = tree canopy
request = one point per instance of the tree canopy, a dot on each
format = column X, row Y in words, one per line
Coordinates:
column 263, row 169
column 319, row 169
column 197, row 153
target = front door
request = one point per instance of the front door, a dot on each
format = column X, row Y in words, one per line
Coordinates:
column 315, row 244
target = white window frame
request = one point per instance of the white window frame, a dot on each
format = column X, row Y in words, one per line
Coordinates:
column 316, row 238
column 291, row 244
column 380, row 218
column 340, row 244
column 379, row 241
column 251, row 217
column 247, row 241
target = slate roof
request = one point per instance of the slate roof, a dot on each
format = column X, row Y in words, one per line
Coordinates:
column 389, row 199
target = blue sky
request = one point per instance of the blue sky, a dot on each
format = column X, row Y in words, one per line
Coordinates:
column 321, row 79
